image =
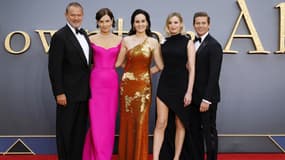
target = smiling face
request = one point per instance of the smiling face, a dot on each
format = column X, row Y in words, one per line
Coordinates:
column 174, row 25
column 140, row 23
column 201, row 25
column 105, row 23
column 74, row 16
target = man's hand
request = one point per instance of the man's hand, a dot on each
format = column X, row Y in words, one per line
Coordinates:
column 61, row 100
column 204, row 107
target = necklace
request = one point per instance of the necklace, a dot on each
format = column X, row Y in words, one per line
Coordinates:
column 106, row 35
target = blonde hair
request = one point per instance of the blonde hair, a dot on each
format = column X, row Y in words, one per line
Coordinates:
column 174, row 14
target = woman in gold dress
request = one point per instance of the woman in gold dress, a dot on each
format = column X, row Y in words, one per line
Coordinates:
column 136, row 55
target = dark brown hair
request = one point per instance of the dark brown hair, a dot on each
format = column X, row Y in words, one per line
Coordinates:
column 105, row 11
column 201, row 14
column 135, row 13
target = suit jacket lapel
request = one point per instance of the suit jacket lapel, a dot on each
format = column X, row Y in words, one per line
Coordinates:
column 203, row 44
column 76, row 44
column 90, row 50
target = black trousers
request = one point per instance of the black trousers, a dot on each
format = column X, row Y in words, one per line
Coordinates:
column 71, row 127
column 203, row 130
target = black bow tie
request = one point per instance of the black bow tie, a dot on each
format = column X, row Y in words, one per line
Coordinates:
column 80, row 31
column 197, row 39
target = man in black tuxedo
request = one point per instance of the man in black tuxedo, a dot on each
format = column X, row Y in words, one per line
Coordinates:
column 70, row 58
column 206, row 91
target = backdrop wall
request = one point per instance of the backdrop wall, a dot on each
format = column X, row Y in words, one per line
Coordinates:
column 250, row 115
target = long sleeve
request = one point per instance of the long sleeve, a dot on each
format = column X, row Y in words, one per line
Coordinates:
column 215, row 63
column 55, row 64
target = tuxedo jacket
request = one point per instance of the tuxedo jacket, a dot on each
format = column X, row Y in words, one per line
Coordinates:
column 68, row 68
column 207, row 71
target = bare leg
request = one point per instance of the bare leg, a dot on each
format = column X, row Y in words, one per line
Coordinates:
column 161, row 123
column 179, row 138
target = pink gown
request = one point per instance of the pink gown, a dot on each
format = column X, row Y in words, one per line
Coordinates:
column 103, row 104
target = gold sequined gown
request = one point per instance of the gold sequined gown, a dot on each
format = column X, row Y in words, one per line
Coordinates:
column 135, row 101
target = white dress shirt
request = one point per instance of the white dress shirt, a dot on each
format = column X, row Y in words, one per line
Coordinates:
column 83, row 42
column 197, row 43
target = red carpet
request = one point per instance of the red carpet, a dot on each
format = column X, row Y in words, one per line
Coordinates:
column 221, row 157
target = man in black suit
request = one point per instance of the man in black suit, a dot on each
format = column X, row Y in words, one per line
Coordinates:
column 206, row 91
column 70, row 57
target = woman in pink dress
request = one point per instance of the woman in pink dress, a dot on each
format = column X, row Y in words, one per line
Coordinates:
column 103, row 104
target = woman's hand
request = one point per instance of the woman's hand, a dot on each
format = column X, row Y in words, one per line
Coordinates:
column 187, row 99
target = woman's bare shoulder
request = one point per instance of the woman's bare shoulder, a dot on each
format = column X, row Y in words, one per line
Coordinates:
column 117, row 39
column 93, row 38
